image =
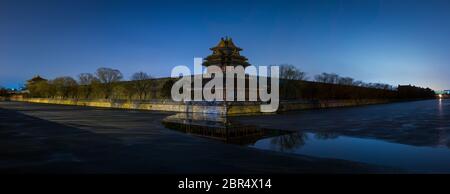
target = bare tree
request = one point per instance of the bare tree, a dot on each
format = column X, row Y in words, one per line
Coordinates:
column 320, row 78
column 141, row 84
column 86, row 81
column 42, row 89
column 65, row 86
column 289, row 141
column 108, row 77
column 86, row 78
column 291, row 72
column 382, row 86
column 345, row 81
column 373, row 85
column 358, row 83
column 166, row 88
column 290, row 86
column 330, row 78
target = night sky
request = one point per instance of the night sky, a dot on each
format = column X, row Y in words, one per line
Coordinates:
column 394, row 42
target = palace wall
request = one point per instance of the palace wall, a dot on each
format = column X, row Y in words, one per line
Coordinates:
column 231, row 109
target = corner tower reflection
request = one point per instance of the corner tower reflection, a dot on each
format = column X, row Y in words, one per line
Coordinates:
column 224, row 129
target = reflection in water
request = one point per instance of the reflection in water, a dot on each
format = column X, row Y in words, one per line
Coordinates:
column 230, row 131
column 326, row 135
column 219, row 128
column 372, row 151
column 413, row 136
column 289, row 141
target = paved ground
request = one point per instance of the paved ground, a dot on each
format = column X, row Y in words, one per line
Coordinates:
column 40, row 138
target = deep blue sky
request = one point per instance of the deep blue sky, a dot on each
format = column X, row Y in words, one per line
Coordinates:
column 395, row 42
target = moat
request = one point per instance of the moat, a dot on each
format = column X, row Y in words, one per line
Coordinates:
column 413, row 136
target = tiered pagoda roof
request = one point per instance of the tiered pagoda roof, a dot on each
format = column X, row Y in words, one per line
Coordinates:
column 35, row 79
column 226, row 53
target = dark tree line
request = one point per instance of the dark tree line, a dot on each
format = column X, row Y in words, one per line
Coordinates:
column 290, row 72
column 105, row 83
column 294, row 84
column 411, row 92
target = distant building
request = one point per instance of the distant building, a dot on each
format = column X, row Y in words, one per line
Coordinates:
column 31, row 82
column 35, row 79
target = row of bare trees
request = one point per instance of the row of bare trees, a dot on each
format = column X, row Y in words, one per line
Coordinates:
column 295, row 84
column 105, row 83
column 104, row 79
column 290, row 72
